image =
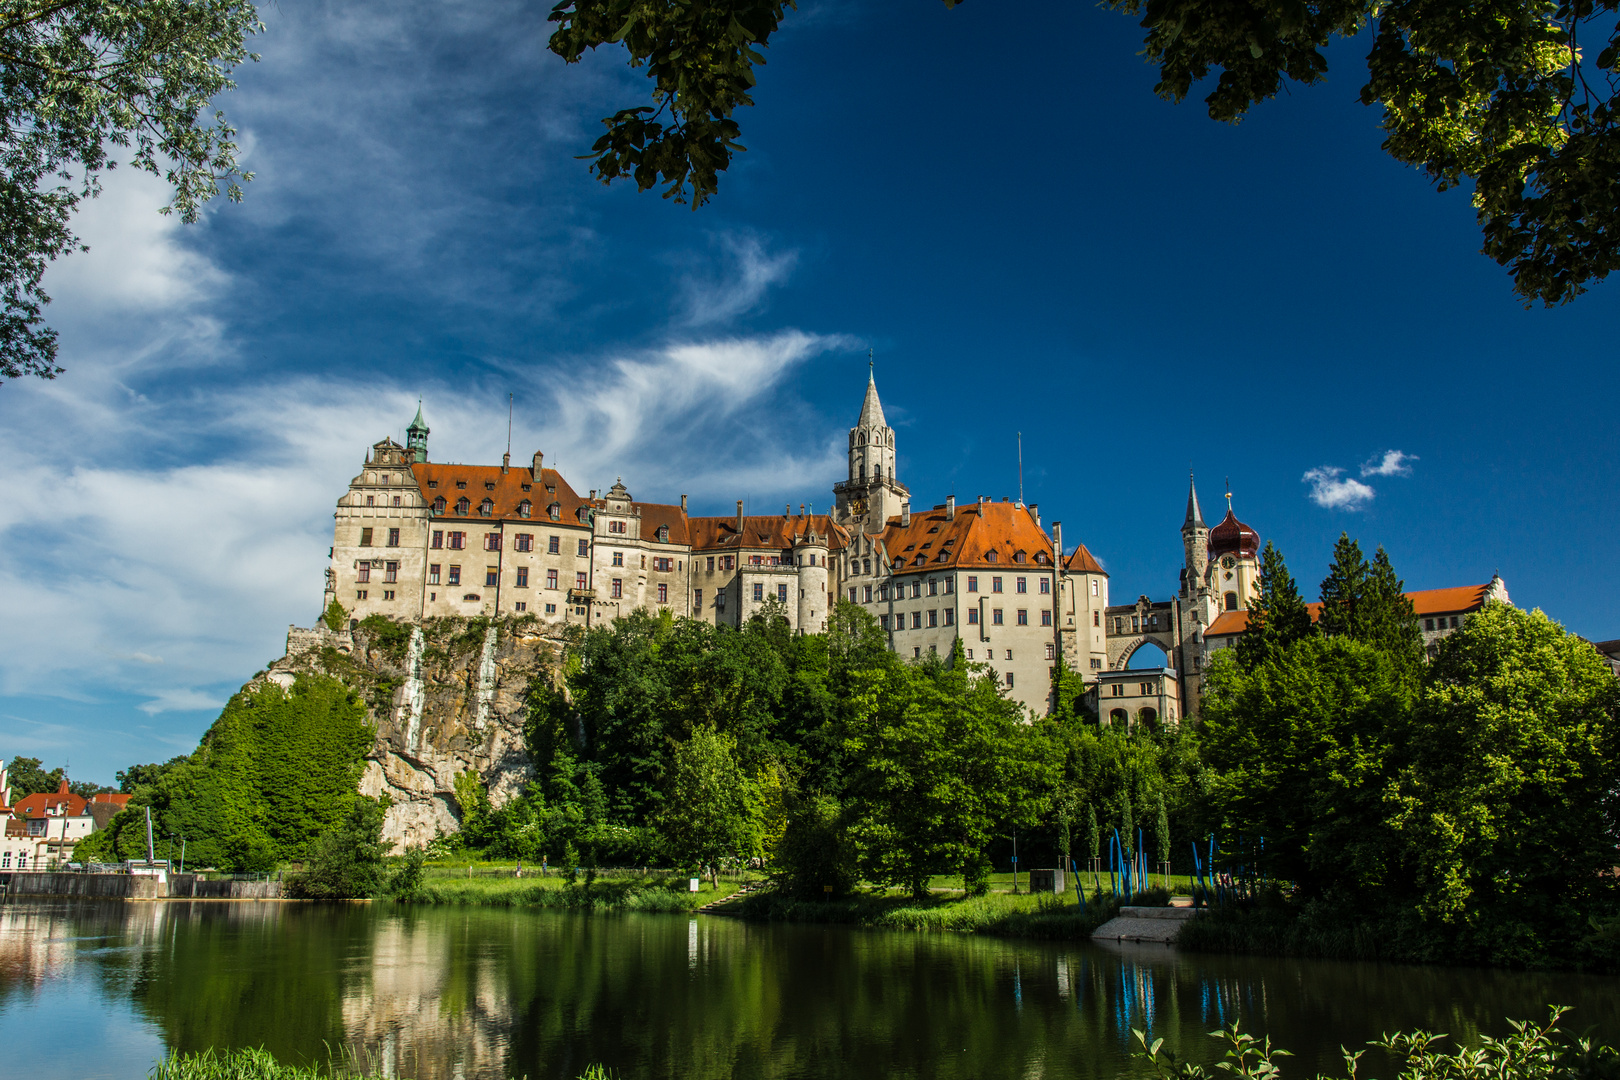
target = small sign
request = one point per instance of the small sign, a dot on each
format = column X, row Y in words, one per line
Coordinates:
column 692, row 885
column 826, row 888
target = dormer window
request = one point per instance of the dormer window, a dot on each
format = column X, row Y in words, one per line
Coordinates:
column 438, row 505
column 991, row 556
column 933, row 528
column 663, row 534
column 462, row 505
column 523, row 508
column 461, row 483
column 489, row 485
column 1020, row 557
column 1040, row 558
column 433, row 483
column 554, row 511
column 486, row 507
column 584, row 515
column 528, row 487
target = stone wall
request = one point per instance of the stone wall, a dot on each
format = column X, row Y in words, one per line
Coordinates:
column 451, row 697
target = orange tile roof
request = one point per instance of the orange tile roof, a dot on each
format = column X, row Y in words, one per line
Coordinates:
column 44, row 804
column 1082, row 562
column 1454, row 601
column 982, row 534
column 772, row 532
column 506, row 495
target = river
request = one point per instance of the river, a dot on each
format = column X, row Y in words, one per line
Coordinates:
column 104, row 989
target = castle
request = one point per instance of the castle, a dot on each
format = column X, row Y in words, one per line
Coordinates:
column 415, row 539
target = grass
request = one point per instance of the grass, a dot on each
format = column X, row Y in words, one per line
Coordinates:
column 996, row 914
column 654, row 893
column 252, row 1063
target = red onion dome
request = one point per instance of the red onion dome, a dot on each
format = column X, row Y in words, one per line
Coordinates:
column 1232, row 537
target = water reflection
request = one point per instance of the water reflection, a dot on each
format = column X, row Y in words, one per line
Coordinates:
column 471, row 993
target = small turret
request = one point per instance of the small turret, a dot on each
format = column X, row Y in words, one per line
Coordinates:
column 1195, row 541
column 416, row 436
column 810, row 554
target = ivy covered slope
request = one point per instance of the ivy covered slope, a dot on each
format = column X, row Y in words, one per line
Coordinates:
column 388, row 712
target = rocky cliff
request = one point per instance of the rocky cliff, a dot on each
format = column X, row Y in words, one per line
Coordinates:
column 445, row 696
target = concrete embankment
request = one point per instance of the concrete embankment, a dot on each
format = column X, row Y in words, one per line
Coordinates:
column 134, row 887
column 1160, row 924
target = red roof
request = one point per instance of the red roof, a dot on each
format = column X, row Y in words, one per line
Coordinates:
column 773, row 532
column 982, row 534
column 504, row 490
column 45, row 804
column 1231, row 536
column 1082, row 562
column 1454, row 601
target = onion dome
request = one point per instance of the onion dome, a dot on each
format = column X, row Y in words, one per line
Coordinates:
column 1232, row 537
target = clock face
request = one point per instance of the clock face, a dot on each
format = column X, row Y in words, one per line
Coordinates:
column 1229, row 562
column 858, row 507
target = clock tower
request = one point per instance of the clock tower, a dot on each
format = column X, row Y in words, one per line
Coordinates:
column 870, row 495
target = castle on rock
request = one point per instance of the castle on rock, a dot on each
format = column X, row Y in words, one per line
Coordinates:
column 415, row 539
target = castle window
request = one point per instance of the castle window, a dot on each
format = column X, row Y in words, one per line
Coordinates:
column 972, row 583
column 663, row 566
column 933, row 587
column 371, row 500
column 365, row 537
column 973, row 616
column 1023, row 616
column 391, row 573
column 950, row 586
column 867, row 594
column 520, row 606
column 523, row 542
column 486, row 507
column 933, row 617
column 883, row 591
column 438, row 538
column 719, row 599
column 523, row 577
column 523, row 508
column 584, row 548
column 1046, row 586
column 462, row 505
column 461, row 484
column 438, row 505
column 663, row 593
column 360, row 594
column 489, row 485
column 492, row 576
column 579, row 581
column 852, row 595
column 584, row 515
column 363, row 573
column 759, row 592
column 458, row 540
column 551, row 579
column 492, row 541
column 618, row 558
column 1051, row 653
column 883, row 622
column 1020, row 557
column 916, row 589
column 991, row 556
column 1046, row 617
column 471, row 598
column 950, row 616
column 781, row 593
column 1231, row 601
column 1428, row 624
column 1094, row 588
column 697, row 601
column 1096, row 664
column 433, row 483
column 1022, row 585
column 995, row 584
column 618, row 588
column 1454, row 622
column 396, row 500
column 1009, row 678
column 528, row 487
column 663, row 534
column 995, row 617
column 616, row 527
column 916, row 620
column 455, row 576
column 554, row 512
column 433, row 574
column 393, row 538
column 1040, row 558
column 1096, row 618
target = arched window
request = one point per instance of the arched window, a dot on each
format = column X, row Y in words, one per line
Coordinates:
column 1119, row 717
column 1148, row 717
column 555, row 511
column 486, row 507
column 438, row 505
column 523, row 508
column 462, row 505
column 1231, row 601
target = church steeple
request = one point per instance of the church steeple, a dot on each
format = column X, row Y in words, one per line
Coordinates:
column 1195, row 542
column 1195, row 518
column 870, row 494
column 416, row 436
column 871, row 408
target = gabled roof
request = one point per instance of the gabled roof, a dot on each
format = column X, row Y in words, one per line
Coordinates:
column 934, row 541
column 506, row 495
column 773, row 532
column 1459, row 600
column 63, row 802
column 1082, row 562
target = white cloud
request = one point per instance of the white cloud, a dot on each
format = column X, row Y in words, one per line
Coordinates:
column 1390, row 463
column 750, row 272
column 1331, row 489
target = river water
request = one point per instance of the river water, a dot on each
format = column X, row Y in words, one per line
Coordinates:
column 103, row 990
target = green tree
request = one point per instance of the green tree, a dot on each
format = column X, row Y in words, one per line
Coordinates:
column 135, row 777
column 1278, row 617
column 1389, row 622
column 1161, row 830
column 84, row 80
column 1508, row 799
column 1344, row 591
column 27, row 776
column 1093, row 834
column 1497, row 95
column 346, row 862
column 712, row 810
column 945, row 762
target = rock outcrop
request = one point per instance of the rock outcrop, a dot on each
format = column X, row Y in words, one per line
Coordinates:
column 445, row 697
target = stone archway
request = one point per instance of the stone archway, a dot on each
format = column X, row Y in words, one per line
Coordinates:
column 1121, row 649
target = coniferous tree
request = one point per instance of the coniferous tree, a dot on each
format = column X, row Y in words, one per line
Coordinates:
column 1093, row 834
column 1278, row 617
column 1344, row 591
column 1128, row 827
column 1390, row 623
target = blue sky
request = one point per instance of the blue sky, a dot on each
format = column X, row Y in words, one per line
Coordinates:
column 991, row 198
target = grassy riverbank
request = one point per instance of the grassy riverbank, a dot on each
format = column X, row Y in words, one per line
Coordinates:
column 994, row 914
column 653, row 893
column 252, row 1063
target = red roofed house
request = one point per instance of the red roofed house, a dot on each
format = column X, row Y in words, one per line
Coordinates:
column 43, row 828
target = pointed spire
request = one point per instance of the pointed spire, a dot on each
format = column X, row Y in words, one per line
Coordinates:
column 871, row 408
column 418, row 424
column 1195, row 517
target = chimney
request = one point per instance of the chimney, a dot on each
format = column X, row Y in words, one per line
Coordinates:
column 683, row 504
column 1035, row 512
column 1057, row 541
column 787, row 510
column 539, row 463
column 506, row 463
column 950, row 508
column 801, row 509
column 984, row 498
column 905, row 515
column 593, row 493
column 739, row 517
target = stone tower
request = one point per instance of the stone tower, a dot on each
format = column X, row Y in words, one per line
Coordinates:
column 871, row 494
column 810, row 552
column 1195, row 541
column 416, row 436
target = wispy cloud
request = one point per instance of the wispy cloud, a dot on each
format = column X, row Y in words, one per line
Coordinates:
column 1389, row 463
column 749, row 273
column 1331, row 489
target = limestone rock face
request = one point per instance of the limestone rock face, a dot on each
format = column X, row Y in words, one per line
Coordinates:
column 445, row 697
